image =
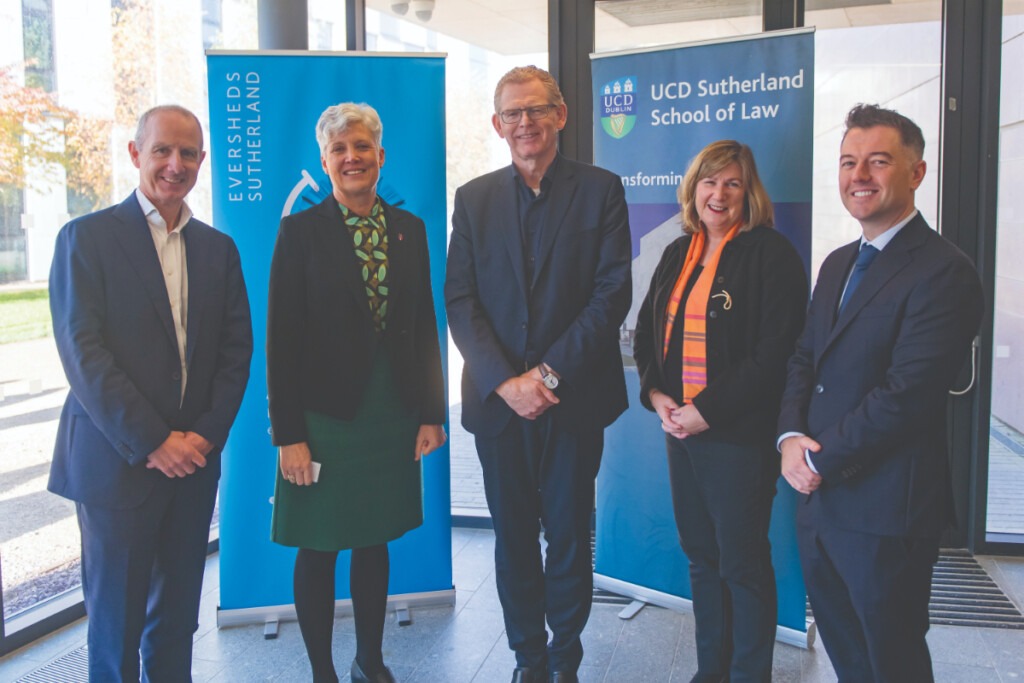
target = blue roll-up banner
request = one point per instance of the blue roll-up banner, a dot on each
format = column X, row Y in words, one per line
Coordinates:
column 265, row 164
column 654, row 110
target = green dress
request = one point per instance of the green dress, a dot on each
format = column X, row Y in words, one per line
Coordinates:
column 370, row 489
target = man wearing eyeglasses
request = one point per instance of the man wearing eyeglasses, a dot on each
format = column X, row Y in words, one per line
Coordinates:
column 538, row 285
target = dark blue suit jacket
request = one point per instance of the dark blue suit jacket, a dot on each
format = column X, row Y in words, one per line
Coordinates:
column 114, row 331
column 871, row 386
column 568, row 316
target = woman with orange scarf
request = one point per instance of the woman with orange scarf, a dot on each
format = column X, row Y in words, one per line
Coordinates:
column 720, row 319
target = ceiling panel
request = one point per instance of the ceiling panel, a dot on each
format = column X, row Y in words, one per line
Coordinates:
column 512, row 28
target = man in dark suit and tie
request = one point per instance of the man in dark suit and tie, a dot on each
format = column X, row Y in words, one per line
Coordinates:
column 538, row 284
column 151, row 321
column 863, row 421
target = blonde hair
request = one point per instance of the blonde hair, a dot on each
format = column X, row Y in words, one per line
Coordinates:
column 525, row 74
column 757, row 206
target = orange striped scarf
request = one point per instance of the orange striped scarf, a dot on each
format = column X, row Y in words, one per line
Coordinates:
column 695, row 356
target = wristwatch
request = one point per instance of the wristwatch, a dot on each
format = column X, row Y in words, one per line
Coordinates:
column 549, row 378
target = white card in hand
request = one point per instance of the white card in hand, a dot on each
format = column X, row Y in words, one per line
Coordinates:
column 316, row 470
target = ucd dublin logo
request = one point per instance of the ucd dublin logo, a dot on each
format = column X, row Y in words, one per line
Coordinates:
column 617, row 105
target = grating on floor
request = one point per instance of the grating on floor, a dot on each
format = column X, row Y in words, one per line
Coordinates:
column 963, row 594
column 70, row 668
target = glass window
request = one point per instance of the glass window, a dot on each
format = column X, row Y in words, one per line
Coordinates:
column 213, row 21
column 67, row 58
column 37, row 33
column 886, row 54
column 237, row 29
column 12, row 237
column 326, row 24
column 1005, row 518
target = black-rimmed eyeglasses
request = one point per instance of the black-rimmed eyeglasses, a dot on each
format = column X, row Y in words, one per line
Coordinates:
column 535, row 113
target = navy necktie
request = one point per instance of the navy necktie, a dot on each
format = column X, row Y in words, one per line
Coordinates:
column 864, row 259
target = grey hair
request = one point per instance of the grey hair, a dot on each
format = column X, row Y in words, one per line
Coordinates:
column 337, row 118
column 140, row 128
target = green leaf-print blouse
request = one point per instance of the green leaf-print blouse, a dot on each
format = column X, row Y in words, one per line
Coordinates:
column 370, row 243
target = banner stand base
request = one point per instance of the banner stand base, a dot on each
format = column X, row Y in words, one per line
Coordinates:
column 274, row 614
column 783, row 634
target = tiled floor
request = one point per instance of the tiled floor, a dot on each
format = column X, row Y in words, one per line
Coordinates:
column 467, row 643
column 467, row 482
column 1005, row 480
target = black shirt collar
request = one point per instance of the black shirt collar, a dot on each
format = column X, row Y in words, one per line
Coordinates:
column 545, row 182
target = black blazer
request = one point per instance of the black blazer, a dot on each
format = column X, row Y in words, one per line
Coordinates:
column 567, row 317
column 748, row 343
column 320, row 333
column 871, row 386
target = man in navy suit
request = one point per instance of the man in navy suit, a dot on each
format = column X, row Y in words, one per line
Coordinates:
column 151, row 321
column 863, row 420
column 538, row 284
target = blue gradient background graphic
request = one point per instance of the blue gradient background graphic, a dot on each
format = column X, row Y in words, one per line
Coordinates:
column 637, row 541
column 276, row 122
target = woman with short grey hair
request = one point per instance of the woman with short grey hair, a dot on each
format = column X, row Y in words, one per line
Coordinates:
column 355, row 387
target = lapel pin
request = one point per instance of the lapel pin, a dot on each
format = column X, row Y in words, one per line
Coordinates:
column 401, row 237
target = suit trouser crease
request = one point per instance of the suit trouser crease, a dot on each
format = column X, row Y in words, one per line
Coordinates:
column 869, row 595
column 142, row 576
column 722, row 498
column 537, row 473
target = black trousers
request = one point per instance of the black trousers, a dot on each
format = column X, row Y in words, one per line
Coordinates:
column 722, row 496
column 539, row 473
column 870, row 598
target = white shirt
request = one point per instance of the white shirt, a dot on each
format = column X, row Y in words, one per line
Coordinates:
column 170, row 250
column 878, row 243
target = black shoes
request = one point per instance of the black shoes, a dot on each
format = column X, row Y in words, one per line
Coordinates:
column 383, row 676
column 524, row 674
column 563, row 677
